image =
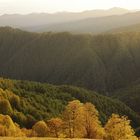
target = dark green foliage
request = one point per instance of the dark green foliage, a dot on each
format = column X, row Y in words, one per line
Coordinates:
column 5, row 107
column 15, row 101
column 19, row 118
column 102, row 63
column 137, row 131
column 130, row 96
column 32, row 101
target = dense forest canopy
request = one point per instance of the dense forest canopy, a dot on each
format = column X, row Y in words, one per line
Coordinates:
column 103, row 62
column 27, row 102
column 108, row 64
column 130, row 96
column 78, row 120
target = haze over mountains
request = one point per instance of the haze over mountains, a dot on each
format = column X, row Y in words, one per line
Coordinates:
column 94, row 25
column 94, row 21
column 97, row 50
column 108, row 64
column 130, row 28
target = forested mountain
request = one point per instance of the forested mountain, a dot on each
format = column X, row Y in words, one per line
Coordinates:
column 104, row 63
column 69, row 75
column 107, row 63
column 27, row 102
column 130, row 96
column 35, row 21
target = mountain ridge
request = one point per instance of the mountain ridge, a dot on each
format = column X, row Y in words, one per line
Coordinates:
column 95, row 25
column 39, row 19
column 64, row 58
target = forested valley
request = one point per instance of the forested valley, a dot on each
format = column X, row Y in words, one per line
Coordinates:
column 80, row 73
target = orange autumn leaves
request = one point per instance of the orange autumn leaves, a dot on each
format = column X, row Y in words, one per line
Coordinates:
column 78, row 121
column 81, row 120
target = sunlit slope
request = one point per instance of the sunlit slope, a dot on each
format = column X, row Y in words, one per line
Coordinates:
column 103, row 62
column 27, row 102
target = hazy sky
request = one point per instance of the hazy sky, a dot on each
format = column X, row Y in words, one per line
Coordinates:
column 29, row 6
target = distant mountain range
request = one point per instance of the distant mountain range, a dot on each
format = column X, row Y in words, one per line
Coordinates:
column 88, row 21
column 92, row 25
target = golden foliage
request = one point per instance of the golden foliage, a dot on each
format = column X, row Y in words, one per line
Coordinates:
column 82, row 120
column 78, row 121
column 8, row 127
column 40, row 129
column 91, row 122
column 71, row 117
column 118, row 128
column 55, row 127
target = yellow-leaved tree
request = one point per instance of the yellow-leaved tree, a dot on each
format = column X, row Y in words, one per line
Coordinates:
column 91, row 123
column 40, row 129
column 55, row 127
column 118, row 128
column 8, row 127
column 72, row 118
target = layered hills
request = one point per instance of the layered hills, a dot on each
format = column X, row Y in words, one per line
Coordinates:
column 34, row 21
column 28, row 102
column 108, row 64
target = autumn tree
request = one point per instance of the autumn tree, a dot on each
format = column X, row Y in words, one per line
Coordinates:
column 29, row 132
column 118, row 127
column 71, row 117
column 5, row 107
column 15, row 101
column 91, row 122
column 55, row 126
column 19, row 132
column 41, row 129
column 2, row 130
column 7, row 126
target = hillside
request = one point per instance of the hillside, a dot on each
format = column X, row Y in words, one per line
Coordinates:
column 130, row 96
column 26, row 102
column 103, row 63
